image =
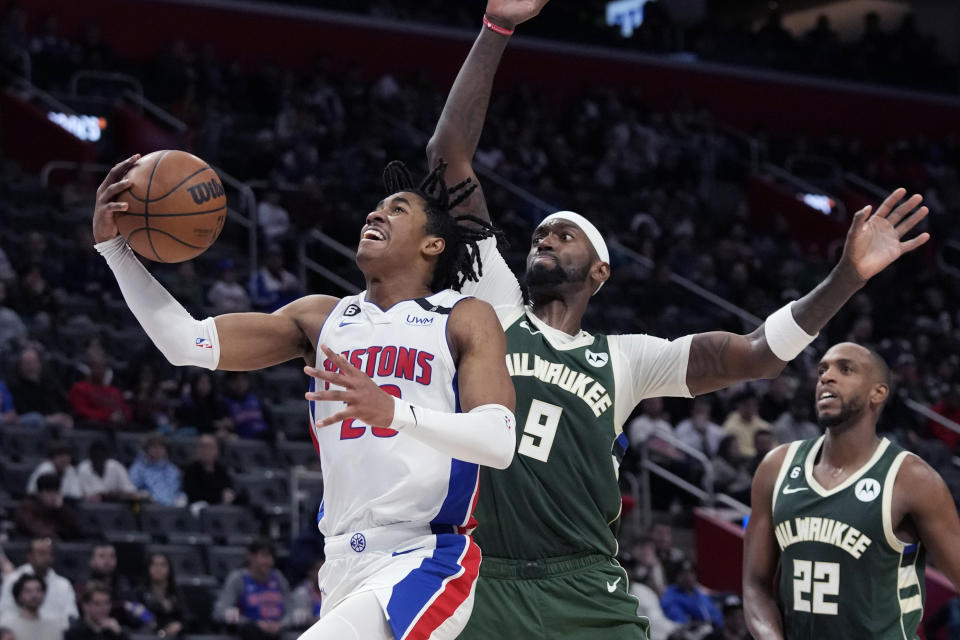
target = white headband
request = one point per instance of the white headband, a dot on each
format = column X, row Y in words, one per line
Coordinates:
column 592, row 233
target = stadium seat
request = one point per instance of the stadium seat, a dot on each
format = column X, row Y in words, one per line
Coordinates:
column 293, row 454
column 162, row 521
column 127, row 446
column 183, row 450
column 81, row 439
column 222, row 521
column 16, row 551
column 222, row 560
column 130, row 547
column 208, row 636
column 15, row 476
column 72, row 559
column 98, row 518
column 20, row 443
column 193, row 539
column 264, row 488
column 142, row 636
column 241, row 455
column 199, row 593
column 185, row 559
column 291, row 419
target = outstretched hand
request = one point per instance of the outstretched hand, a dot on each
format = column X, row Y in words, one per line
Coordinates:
column 875, row 241
column 365, row 400
column 106, row 208
column 510, row 13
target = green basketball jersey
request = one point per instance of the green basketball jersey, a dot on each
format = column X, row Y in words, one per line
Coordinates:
column 560, row 495
column 843, row 572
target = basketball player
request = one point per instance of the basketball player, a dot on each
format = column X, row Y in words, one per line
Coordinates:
column 391, row 368
column 545, row 523
column 848, row 517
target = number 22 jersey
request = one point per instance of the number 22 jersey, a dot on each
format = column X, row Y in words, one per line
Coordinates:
column 843, row 572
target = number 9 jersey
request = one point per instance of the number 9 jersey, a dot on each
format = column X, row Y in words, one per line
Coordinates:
column 843, row 572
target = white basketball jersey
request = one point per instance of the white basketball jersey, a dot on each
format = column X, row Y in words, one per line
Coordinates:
column 375, row 476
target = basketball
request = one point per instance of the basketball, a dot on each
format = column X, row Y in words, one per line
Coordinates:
column 176, row 206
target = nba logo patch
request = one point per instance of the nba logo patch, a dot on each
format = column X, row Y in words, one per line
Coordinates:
column 358, row 543
column 867, row 490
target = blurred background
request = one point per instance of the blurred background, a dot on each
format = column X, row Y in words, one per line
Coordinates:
column 721, row 146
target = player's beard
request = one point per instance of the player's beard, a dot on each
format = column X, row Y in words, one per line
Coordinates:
column 541, row 278
column 846, row 417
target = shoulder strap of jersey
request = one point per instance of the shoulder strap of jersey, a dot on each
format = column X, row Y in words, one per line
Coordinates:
column 793, row 457
column 889, row 482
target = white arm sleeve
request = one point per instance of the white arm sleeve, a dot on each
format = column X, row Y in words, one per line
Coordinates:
column 484, row 436
column 497, row 285
column 180, row 338
column 648, row 367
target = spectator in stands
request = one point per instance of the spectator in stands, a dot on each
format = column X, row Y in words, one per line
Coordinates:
column 25, row 621
column 776, row 399
column 763, row 443
column 652, row 423
column 226, row 295
column 273, row 219
column 36, row 299
column 153, row 472
column 273, row 286
column 103, row 571
column 671, row 557
column 729, row 470
column 13, row 331
column 949, row 408
column 734, row 624
column 205, row 480
column 59, row 463
column 246, row 411
column 43, row 514
column 203, row 409
column 96, row 403
column 744, row 421
column 96, row 624
column 255, row 599
column 647, row 585
column 699, row 431
column 685, row 602
column 6, row 634
column 306, row 599
column 60, row 603
column 150, row 401
column 38, row 396
column 795, row 423
column 104, row 479
column 8, row 412
column 160, row 596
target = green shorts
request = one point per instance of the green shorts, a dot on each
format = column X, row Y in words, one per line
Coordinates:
column 582, row 597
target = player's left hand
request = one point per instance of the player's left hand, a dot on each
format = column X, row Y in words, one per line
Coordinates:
column 510, row 13
column 874, row 241
column 365, row 401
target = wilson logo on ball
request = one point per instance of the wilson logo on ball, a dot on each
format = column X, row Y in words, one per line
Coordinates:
column 204, row 191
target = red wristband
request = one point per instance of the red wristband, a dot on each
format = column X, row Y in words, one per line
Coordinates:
column 496, row 28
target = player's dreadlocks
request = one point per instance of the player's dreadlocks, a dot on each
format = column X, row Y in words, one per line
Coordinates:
column 460, row 261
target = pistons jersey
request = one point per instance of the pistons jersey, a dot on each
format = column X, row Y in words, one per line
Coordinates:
column 372, row 475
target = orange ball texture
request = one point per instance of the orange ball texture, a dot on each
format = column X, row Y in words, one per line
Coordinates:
column 176, row 206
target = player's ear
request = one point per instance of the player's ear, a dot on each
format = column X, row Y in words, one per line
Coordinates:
column 600, row 272
column 879, row 394
column 433, row 246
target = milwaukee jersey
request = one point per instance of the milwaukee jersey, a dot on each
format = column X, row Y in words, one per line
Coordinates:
column 372, row 475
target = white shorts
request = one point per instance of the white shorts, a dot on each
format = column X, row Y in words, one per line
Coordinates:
column 424, row 581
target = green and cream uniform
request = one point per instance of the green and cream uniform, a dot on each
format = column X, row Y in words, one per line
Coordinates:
column 843, row 572
column 546, row 523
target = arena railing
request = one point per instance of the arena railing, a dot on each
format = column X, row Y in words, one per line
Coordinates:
column 111, row 77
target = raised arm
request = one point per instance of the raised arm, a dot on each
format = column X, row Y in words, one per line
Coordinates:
column 719, row 359
column 238, row 342
column 760, row 554
column 933, row 513
column 483, row 433
column 461, row 122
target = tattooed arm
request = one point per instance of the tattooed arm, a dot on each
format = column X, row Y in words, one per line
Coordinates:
column 719, row 359
column 461, row 122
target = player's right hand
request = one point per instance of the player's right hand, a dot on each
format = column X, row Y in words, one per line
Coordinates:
column 105, row 210
column 510, row 13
